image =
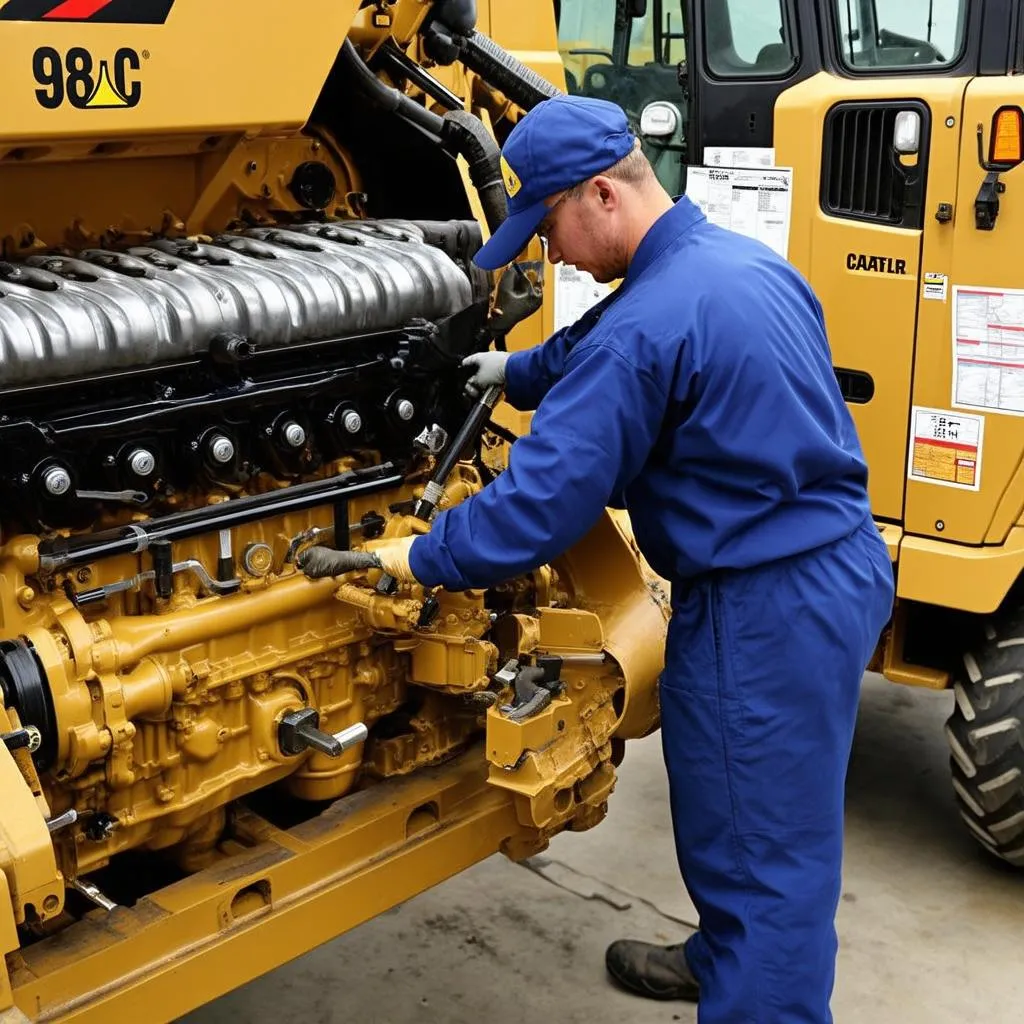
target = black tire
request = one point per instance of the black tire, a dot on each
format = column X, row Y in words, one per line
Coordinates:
column 986, row 736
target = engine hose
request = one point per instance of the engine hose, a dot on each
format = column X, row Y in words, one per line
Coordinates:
column 458, row 130
column 499, row 68
column 466, row 135
column 386, row 97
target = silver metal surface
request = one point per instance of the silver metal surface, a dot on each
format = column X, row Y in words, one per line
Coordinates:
column 191, row 565
column 221, row 449
column 352, row 421
column 63, row 316
column 352, row 736
column 61, row 821
column 142, row 462
column 92, row 892
column 294, row 435
column 433, row 439
column 57, row 481
column 405, row 409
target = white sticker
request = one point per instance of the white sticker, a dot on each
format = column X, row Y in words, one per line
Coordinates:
column 756, row 202
column 945, row 448
column 739, row 156
column 936, row 286
column 988, row 349
column 575, row 292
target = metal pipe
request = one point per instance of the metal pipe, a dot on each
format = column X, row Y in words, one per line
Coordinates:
column 467, row 434
column 70, row 552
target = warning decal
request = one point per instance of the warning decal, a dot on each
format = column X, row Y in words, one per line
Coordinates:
column 121, row 12
column 946, row 448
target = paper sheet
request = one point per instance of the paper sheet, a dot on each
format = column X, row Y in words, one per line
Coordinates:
column 988, row 349
column 946, row 448
column 739, row 156
column 756, row 202
column 575, row 292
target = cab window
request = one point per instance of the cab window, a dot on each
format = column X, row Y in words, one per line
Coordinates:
column 590, row 35
column 748, row 38
column 900, row 33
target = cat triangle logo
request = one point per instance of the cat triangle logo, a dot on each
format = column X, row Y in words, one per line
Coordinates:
column 105, row 94
column 511, row 179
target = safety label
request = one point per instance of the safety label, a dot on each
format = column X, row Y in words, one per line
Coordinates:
column 988, row 349
column 753, row 201
column 575, row 292
column 946, row 448
column 936, row 287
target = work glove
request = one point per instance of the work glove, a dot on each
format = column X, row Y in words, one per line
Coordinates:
column 488, row 371
column 390, row 555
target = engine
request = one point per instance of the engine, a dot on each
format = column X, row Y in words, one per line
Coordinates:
column 229, row 402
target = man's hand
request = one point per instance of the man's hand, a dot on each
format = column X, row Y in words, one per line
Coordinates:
column 318, row 562
column 488, row 370
column 391, row 555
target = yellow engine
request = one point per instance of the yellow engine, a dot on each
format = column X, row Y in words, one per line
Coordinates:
column 235, row 293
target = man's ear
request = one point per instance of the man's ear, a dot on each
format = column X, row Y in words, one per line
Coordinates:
column 607, row 191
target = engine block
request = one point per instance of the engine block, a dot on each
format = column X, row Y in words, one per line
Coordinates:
column 179, row 421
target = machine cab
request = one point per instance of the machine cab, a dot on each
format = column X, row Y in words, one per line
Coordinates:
column 901, row 123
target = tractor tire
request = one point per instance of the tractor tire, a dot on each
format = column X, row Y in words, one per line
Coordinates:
column 986, row 736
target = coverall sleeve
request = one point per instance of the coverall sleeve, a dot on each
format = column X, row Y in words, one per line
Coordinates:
column 530, row 374
column 591, row 436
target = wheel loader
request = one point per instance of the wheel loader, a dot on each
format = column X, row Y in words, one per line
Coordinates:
column 901, row 121
column 236, row 288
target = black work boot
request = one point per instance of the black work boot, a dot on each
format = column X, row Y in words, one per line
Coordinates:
column 658, row 972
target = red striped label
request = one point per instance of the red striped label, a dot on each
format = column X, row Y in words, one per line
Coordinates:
column 117, row 12
column 77, row 10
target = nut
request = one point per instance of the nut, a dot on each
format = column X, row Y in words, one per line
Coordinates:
column 221, row 449
column 57, row 481
column 294, row 435
column 141, row 462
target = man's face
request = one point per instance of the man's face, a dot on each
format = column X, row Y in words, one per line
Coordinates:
column 585, row 231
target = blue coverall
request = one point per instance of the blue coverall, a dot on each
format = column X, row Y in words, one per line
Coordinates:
column 701, row 396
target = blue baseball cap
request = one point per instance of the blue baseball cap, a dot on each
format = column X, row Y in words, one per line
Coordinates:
column 562, row 142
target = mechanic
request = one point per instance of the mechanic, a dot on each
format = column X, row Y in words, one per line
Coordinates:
column 700, row 396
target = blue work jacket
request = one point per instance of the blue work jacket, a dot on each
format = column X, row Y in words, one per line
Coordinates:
column 699, row 395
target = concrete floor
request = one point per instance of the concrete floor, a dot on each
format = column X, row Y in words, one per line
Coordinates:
column 931, row 931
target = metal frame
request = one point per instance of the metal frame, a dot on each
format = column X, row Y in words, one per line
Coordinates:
column 279, row 894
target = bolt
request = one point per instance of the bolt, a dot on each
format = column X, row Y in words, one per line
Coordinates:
column 142, row 462
column 221, row 449
column 250, row 167
column 352, row 422
column 405, row 409
column 57, row 481
column 84, row 574
column 294, row 435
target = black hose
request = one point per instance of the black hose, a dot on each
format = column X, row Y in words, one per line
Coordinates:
column 446, row 43
column 499, row 68
column 467, row 136
column 458, row 130
column 386, row 97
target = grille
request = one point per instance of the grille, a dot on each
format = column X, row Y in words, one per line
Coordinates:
column 862, row 178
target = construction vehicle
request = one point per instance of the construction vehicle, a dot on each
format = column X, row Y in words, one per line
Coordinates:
column 902, row 124
column 236, row 287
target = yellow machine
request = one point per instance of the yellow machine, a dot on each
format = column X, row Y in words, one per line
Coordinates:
column 235, row 290
column 902, row 122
